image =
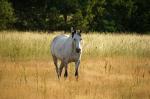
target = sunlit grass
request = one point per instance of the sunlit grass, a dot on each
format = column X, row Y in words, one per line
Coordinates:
column 32, row 45
column 117, row 45
column 113, row 66
column 106, row 78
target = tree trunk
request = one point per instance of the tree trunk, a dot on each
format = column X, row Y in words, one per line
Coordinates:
column 65, row 20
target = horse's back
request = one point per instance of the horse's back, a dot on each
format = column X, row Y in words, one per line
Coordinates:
column 57, row 45
column 59, row 39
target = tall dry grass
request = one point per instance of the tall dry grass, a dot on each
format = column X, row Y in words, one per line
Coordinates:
column 28, row 45
column 112, row 67
column 101, row 78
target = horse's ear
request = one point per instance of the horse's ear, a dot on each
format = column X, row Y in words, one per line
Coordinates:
column 73, row 31
column 80, row 32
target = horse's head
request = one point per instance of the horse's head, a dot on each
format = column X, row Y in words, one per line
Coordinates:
column 76, row 39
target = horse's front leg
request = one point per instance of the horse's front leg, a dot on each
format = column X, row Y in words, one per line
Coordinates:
column 77, row 63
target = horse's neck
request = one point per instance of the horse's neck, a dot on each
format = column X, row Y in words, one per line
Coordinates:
column 69, row 45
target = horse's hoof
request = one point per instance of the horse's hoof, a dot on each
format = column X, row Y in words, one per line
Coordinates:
column 65, row 76
column 77, row 78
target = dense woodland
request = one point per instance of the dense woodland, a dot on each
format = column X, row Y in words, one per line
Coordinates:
column 88, row 15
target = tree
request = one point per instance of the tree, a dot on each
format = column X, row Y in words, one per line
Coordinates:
column 89, row 15
column 6, row 14
column 66, row 8
column 141, row 16
column 79, row 21
column 30, row 14
column 53, row 19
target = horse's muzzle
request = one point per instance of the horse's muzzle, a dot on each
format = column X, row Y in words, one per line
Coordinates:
column 78, row 50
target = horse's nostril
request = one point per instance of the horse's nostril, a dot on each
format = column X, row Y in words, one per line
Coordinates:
column 78, row 50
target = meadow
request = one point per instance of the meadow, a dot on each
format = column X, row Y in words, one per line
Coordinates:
column 113, row 66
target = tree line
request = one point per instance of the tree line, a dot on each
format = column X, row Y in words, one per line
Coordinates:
column 88, row 15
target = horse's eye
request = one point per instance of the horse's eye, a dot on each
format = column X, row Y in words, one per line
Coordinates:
column 81, row 39
column 74, row 39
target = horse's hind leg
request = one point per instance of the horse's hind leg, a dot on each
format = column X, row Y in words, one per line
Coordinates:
column 66, row 71
column 56, row 65
column 61, row 68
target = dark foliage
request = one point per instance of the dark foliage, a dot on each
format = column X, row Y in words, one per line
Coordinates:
column 88, row 15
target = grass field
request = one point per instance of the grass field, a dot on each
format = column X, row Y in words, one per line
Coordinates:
column 113, row 66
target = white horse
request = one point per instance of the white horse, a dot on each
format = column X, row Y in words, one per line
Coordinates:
column 67, row 49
